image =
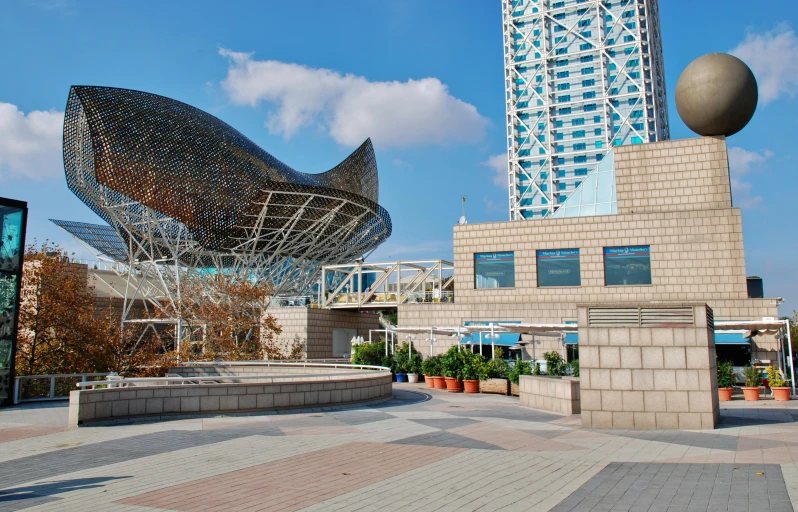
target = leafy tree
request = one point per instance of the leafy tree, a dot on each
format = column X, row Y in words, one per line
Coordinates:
column 231, row 313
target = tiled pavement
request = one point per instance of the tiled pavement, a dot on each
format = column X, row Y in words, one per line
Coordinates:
column 423, row 450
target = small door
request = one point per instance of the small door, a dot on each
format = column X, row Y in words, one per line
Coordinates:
column 342, row 342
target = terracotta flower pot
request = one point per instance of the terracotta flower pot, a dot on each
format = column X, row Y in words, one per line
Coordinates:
column 781, row 394
column 471, row 386
column 453, row 385
column 751, row 394
column 440, row 383
column 724, row 394
column 430, row 380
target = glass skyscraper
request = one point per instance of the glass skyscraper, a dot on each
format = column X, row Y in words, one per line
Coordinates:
column 582, row 76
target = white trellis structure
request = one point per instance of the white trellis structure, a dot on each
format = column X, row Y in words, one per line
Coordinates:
column 386, row 285
column 580, row 78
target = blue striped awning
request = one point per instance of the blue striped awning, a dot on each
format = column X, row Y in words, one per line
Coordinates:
column 731, row 338
column 721, row 338
column 505, row 339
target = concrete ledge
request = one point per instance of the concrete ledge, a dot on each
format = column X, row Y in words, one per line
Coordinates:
column 551, row 394
column 101, row 405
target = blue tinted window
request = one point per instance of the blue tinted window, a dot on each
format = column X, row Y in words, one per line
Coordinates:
column 494, row 270
column 627, row 266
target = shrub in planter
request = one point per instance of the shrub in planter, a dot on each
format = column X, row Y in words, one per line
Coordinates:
column 725, row 380
column 369, row 353
column 473, row 369
column 431, row 368
column 452, row 364
column 554, row 363
column 777, row 383
column 518, row 369
column 574, row 367
column 753, row 379
column 536, row 370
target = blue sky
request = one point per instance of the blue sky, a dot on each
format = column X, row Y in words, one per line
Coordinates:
column 423, row 79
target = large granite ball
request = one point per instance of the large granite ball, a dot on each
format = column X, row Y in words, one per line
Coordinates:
column 716, row 95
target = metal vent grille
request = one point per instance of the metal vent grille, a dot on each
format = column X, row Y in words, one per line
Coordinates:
column 641, row 317
column 710, row 318
column 613, row 317
column 666, row 317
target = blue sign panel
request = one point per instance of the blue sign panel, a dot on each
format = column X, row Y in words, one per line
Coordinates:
column 559, row 267
column 494, row 270
column 625, row 266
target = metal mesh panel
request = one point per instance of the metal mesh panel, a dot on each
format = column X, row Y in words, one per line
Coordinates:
column 177, row 183
column 104, row 239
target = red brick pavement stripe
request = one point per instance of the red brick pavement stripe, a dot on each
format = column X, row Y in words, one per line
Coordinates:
column 295, row 482
column 15, row 433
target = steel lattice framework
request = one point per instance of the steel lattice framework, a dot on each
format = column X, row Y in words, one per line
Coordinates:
column 581, row 76
column 188, row 194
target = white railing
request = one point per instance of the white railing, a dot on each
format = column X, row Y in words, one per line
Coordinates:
column 120, row 382
column 49, row 384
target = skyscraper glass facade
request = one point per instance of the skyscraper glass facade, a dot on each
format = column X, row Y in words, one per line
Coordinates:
column 582, row 76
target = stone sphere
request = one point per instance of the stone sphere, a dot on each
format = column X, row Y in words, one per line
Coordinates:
column 716, row 95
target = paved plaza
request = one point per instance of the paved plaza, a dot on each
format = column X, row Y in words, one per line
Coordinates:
column 422, row 450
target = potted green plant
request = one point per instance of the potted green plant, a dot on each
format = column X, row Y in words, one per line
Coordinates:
column 430, row 370
column 725, row 380
column 472, row 369
column 493, row 377
column 452, row 365
column 519, row 368
column 778, row 385
column 413, row 367
column 753, row 380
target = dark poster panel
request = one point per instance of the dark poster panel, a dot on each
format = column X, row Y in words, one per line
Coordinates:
column 559, row 267
column 494, row 270
column 627, row 265
column 13, row 217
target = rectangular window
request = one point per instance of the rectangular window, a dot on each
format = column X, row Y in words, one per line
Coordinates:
column 588, row 71
column 589, row 95
column 624, row 266
column 494, row 270
column 563, row 87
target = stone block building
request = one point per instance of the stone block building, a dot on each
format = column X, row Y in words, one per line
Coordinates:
column 672, row 235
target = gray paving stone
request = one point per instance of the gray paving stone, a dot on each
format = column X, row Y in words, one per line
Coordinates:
column 625, row 486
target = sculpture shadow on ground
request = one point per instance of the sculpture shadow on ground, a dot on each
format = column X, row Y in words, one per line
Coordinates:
column 403, row 397
column 44, row 492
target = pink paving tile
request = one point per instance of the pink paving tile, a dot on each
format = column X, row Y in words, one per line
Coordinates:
column 16, row 433
column 294, row 482
column 323, row 430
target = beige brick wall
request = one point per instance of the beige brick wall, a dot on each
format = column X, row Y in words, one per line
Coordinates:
column 560, row 395
column 673, row 196
column 648, row 378
column 675, row 175
column 316, row 326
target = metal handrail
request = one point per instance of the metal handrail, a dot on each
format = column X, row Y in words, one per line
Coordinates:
column 268, row 379
column 51, row 395
column 284, row 363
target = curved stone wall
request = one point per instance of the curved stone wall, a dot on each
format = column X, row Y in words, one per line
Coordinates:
column 215, row 390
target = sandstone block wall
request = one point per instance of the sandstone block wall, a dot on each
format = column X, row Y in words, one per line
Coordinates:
column 167, row 402
column 316, row 325
column 550, row 393
column 648, row 377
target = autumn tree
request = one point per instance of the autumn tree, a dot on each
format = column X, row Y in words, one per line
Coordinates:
column 231, row 315
column 62, row 331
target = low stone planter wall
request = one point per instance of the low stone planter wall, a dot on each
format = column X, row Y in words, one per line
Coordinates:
column 273, row 392
column 495, row 386
column 551, row 393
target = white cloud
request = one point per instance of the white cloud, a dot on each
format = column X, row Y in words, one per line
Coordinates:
column 773, row 57
column 499, row 165
column 741, row 163
column 349, row 107
column 30, row 144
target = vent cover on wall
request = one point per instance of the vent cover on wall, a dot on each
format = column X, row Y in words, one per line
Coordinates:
column 642, row 317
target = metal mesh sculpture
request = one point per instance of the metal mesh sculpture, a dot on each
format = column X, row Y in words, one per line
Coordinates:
column 185, row 192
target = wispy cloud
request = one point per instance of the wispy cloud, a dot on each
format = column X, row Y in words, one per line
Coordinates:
column 30, row 144
column 349, row 107
column 499, row 165
column 741, row 163
column 398, row 162
column 773, row 57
